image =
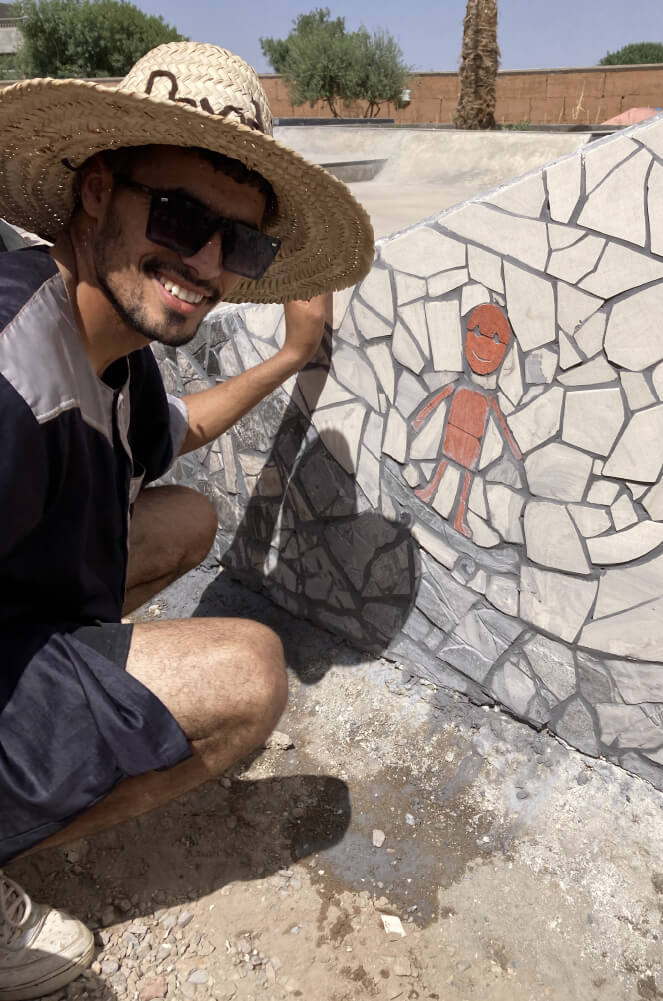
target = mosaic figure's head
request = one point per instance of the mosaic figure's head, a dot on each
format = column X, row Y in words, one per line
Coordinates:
column 488, row 336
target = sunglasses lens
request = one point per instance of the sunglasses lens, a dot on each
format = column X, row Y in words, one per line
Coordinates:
column 180, row 224
column 247, row 251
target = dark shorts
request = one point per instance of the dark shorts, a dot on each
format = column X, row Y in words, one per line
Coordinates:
column 73, row 723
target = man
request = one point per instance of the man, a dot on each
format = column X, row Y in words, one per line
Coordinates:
column 162, row 198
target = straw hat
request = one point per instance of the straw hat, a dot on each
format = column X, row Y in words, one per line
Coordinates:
column 182, row 94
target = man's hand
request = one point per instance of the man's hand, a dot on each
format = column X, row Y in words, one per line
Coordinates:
column 304, row 328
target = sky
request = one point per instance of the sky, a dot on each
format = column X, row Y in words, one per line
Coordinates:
column 531, row 34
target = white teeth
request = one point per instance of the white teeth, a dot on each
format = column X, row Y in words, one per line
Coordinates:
column 181, row 293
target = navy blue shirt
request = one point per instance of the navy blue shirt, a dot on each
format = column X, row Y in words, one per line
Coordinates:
column 74, row 450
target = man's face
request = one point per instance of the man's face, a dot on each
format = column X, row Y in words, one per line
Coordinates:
column 156, row 291
column 488, row 334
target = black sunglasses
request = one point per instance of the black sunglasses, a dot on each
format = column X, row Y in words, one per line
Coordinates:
column 184, row 224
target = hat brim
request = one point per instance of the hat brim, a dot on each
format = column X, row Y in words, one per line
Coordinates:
column 326, row 235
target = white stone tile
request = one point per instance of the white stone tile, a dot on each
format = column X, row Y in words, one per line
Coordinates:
column 576, row 261
column 414, row 317
column 523, row 197
column 322, row 390
column 428, row 468
column 541, row 365
column 574, row 307
column 563, row 181
column 532, row 394
column 590, row 336
column 348, row 331
column 485, row 268
column 555, row 602
column 602, row 157
column 538, row 421
column 603, row 492
column 568, row 356
column 505, row 404
column 655, row 208
column 651, row 136
column 368, row 476
column 551, row 538
column 504, row 507
column 561, row 237
column 523, row 239
column 473, row 295
column 657, row 380
column 493, row 444
column 623, row 513
column 444, row 498
column 592, row 373
column 506, row 471
column 627, row 587
column 423, row 252
column 373, row 434
column 592, row 419
column 636, row 387
column 634, row 339
column 479, row 582
column 340, row 429
column 638, row 455
column 405, row 350
column 510, row 379
column 636, row 633
column 341, row 303
column 553, row 664
column 445, row 335
column 590, row 520
column 622, row 547
column 617, row 205
column 502, row 592
column 412, row 475
column 621, row 269
column 531, row 307
column 368, row 324
column 395, row 438
column 558, row 472
column 354, row 372
column 477, row 498
column 262, row 321
column 376, row 292
column 628, row 727
column 597, row 467
column 433, row 544
column 637, row 490
column 381, row 359
column 426, row 444
column 410, row 394
column 482, row 534
column 447, row 281
column 409, row 288
column 436, row 380
column 637, row 683
column 653, row 502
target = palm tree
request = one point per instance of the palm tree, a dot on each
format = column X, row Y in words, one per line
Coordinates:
column 478, row 69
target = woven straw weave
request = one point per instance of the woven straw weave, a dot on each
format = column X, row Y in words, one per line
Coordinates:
column 327, row 239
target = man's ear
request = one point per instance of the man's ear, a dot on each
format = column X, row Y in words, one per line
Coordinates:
column 96, row 186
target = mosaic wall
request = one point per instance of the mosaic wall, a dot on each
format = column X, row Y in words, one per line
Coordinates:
column 473, row 486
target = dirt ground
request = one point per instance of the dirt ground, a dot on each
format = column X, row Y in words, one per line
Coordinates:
column 391, row 843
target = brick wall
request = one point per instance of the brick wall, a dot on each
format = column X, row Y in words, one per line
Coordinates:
column 568, row 97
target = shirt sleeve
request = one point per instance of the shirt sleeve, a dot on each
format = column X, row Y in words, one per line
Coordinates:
column 179, row 422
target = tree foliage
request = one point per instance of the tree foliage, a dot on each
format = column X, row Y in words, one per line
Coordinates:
column 637, row 52
column 321, row 61
column 87, row 38
column 480, row 59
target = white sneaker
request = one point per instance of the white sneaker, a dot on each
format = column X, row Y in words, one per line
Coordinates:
column 41, row 949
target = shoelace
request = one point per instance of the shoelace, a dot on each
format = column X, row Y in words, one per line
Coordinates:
column 15, row 908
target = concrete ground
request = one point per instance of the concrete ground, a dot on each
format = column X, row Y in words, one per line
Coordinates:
column 392, row 842
column 422, row 172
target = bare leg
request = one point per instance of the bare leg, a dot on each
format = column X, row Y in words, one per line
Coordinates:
column 224, row 680
column 172, row 530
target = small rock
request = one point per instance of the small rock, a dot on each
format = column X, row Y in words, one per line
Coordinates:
column 378, row 838
column 409, row 820
column 402, row 967
column 198, row 977
column 522, row 794
column 108, row 916
column 582, row 778
column 392, row 925
column 109, row 966
column 278, row 741
column 185, row 918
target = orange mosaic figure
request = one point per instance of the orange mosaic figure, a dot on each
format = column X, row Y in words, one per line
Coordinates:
column 486, row 342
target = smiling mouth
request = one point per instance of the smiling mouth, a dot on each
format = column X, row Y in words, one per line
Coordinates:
column 183, row 294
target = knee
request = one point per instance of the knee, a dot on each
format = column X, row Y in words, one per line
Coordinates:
column 199, row 524
column 270, row 683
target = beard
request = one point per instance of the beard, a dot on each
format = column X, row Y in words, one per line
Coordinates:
column 124, row 290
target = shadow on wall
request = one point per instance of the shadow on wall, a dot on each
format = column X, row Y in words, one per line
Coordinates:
column 304, row 542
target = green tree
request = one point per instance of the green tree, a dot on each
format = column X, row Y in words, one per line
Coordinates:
column 87, row 38
column 479, row 64
column 321, row 61
column 637, row 52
